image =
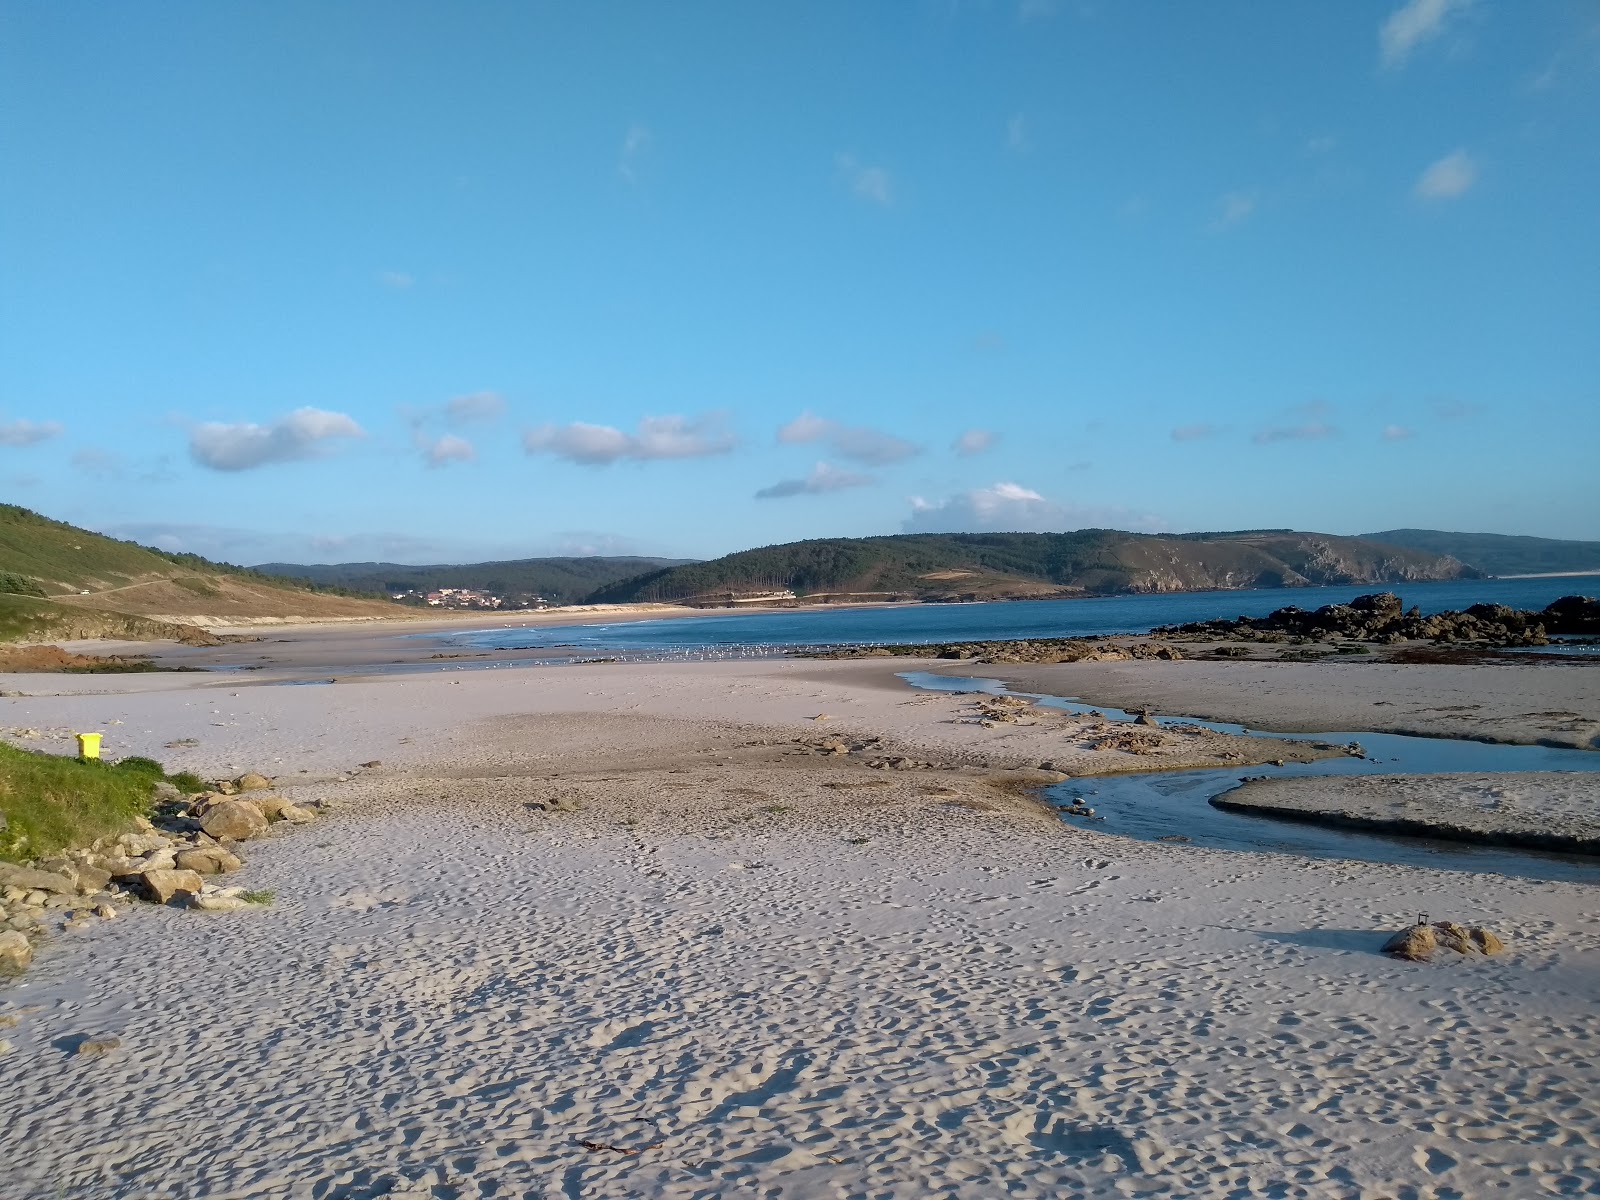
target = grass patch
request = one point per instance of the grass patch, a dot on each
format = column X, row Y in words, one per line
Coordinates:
column 51, row 802
column 260, row 897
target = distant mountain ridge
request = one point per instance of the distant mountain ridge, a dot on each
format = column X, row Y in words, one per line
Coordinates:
column 964, row 566
column 558, row 580
column 1498, row 553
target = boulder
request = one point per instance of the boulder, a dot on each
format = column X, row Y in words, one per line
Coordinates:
column 276, row 808
column 252, row 782
column 1416, row 943
column 236, row 819
column 162, row 885
column 208, row 860
column 1419, row 942
column 217, row 902
column 92, row 879
column 27, row 879
column 16, row 952
column 93, row 1047
column 135, row 844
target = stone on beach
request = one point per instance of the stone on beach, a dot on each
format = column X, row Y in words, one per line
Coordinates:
column 163, row 885
column 26, row 878
column 250, row 781
column 236, row 819
column 16, row 952
column 208, row 860
column 1417, row 943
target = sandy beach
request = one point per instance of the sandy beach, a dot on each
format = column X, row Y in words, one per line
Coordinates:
column 785, row 929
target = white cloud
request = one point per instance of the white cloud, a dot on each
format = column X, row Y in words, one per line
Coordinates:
column 476, row 406
column 1234, row 208
column 656, row 437
column 823, row 478
column 399, row 280
column 1396, row 433
column 1017, row 134
column 1311, row 431
column 1012, row 508
column 239, row 447
column 23, row 432
column 634, row 143
column 102, row 464
column 869, row 183
column 447, row 449
column 975, row 441
column 1029, row 11
column 1414, row 22
column 1452, row 176
column 857, row 443
column 1193, row 433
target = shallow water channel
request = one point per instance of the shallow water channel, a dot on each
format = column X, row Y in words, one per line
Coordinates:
column 1153, row 805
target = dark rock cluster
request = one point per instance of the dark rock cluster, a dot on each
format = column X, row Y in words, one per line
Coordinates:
column 1382, row 618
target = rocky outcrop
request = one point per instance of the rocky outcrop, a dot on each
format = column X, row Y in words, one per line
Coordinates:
column 164, row 864
column 1382, row 618
column 1031, row 650
column 1419, row 942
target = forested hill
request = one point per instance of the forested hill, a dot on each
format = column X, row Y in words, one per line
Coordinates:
column 1500, row 554
column 558, row 580
column 960, row 566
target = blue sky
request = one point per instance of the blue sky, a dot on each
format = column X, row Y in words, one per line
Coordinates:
column 430, row 282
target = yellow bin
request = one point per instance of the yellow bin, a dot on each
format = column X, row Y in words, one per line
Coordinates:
column 89, row 745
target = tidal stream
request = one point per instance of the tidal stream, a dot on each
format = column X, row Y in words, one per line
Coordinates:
column 1156, row 805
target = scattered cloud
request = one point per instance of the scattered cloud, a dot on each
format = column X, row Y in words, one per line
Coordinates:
column 1396, row 433
column 1029, row 11
column 1234, row 208
column 634, row 144
column 1193, row 433
column 1012, row 508
column 857, row 443
column 1017, row 139
column 23, row 432
column 475, row 407
column 1311, row 431
column 989, row 342
column 656, row 437
column 449, row 448
column 252, row 546
column 867, row 182
column 975, row 441
column 240, row 447
column 823, row 478
column 1412, row 24
column 1452, row 176
column 1321, row 145
column 1456, row 410
column 399, row 280
column 101, row 464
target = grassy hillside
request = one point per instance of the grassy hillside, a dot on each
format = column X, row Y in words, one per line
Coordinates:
column 1011, row 565
column 50, row 801
column 1500, row 554
column 76, row 569
column 558, row 580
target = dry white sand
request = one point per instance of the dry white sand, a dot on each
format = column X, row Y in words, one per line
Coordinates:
column 706, row 983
